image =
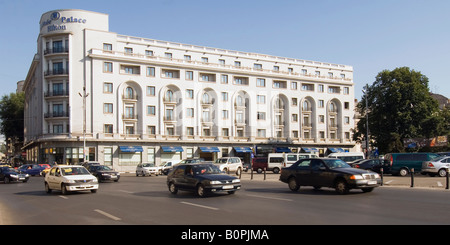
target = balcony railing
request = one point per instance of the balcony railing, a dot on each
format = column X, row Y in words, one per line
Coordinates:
column 56, row 72
column 56, row 93
column 56, row 114
column 56, row 50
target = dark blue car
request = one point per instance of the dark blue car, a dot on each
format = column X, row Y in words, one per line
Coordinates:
column 31, row 169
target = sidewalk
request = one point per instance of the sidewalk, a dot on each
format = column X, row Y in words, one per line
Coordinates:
column 420, row 181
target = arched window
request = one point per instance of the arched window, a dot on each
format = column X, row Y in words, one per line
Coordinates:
column 279, row 104
column 169, row 95
column 333, row 107
column 205, row 98
column 306, row 106
column 240, row 101
column 129, row 93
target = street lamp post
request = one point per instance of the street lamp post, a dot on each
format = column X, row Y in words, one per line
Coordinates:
column 367, row 120
column 84, row 95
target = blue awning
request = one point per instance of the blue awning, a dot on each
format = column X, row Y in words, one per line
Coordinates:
column 131, row 148
column 209, row 149
column 308, row 149
column 283, row 149
column 243, row 149
column 172, row 148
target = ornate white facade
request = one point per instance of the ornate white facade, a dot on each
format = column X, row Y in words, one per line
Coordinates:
column 152, row 101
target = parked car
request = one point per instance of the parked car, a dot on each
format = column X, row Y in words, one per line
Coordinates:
column 203, row 178
column 229, row 164
column 103, row 172
column 145, row 169
column 329, row 172
column 348, row 157
column 259, row 163
column 31, row 169
column 8, row 174
column 69, row 178
column 168, row 166
column 288, row 159
column 437, row 166
column 372, row 164
column 402, row 163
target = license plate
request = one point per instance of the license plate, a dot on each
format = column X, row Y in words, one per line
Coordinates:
column 372, row 182
column 225, row 187
column 21, row 178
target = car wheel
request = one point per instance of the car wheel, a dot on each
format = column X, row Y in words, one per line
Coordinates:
column 238, row 171
column 292, row 183
column 403, row 172
column 442, row 172
column 172, row 188
column 47, row 188
column 276, row 170
column 64, row 189
column 341, row 187
column 201, row 192
column 6, row 180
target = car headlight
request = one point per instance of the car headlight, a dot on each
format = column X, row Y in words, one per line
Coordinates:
column 215, row 182
column 377, row 176
column 69, row 181
column 15, row 176
column 236, row 181
column 356, row 177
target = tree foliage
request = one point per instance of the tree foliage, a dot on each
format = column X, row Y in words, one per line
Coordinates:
column 400, row 106
column 11, row 115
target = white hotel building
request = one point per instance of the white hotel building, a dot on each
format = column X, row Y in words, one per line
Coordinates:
column 148, row 100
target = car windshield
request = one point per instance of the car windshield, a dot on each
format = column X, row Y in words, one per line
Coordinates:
column 147, row 165
column 336, row 163
column 205, row 169
column 74, row 171
column 10, row 170
column 101, row 167
column 223, row 160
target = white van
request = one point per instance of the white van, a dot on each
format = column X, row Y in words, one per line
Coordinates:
column 347, row 157
column 278, row 160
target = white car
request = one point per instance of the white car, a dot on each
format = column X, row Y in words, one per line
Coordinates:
column 145, row 169
column 67, row 178
column 230, row 164
column 437, row 166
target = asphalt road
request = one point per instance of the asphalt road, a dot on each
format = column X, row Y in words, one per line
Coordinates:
column 146, row 200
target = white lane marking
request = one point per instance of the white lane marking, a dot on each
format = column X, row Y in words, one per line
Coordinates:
column 273, row 198
column 63, row 197
column 107, row 214
column 200, row 206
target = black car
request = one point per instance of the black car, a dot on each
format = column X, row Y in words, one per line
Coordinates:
column 103, row 172
column 8, row 174
column 203, row 178
column 328, row 172
column 373, row 165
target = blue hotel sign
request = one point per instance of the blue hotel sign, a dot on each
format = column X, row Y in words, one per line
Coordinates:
column 56, row 16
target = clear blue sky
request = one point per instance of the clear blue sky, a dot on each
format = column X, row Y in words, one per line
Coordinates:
column 370, row 35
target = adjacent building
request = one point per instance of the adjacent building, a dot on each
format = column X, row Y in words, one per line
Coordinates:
column 121, row 100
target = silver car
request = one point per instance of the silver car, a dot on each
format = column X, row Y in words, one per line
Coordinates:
column 437, row 166
column 145, row 169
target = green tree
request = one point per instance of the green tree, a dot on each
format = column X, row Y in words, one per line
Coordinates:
column 11, row 115
column 400, row 106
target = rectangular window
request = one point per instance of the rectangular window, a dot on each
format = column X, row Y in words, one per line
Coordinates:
column 108, row 108
column 151, row 91
column 262, row 133
column 190, row 131
column 190, row 93
column 224, row 79
column 107, row 47
column 150, row 71
column 260, row 82
column 151, row 110
column 107, row 88
column 224, row 96
column 151, row 130
column 260, row 99
column 225, row 114
column 190, row 112
column 108, row 129
column 128, row 50
column 189, row 75
column 257, row 67
column 149, row 52
column 261, row 115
